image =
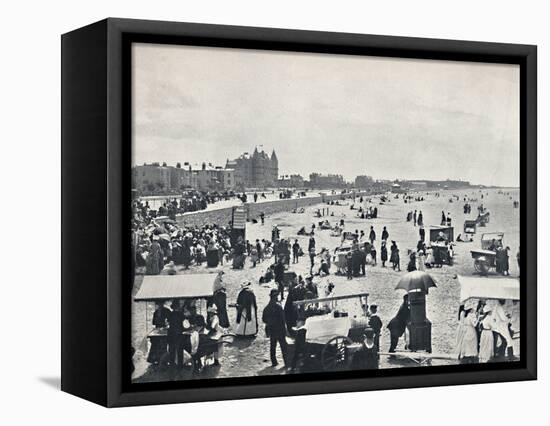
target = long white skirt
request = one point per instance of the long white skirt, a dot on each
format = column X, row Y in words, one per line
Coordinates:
column 247, row 328
column 486, row 346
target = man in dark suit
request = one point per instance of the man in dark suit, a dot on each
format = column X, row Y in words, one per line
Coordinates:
column 398, row 324
column 279, row 272
column 174, row 334
column 274, row 318
column 375, row 323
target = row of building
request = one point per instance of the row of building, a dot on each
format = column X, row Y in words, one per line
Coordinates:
column 258, row 170
column 161, row 178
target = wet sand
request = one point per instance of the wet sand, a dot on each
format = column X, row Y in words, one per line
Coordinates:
column 247, row 357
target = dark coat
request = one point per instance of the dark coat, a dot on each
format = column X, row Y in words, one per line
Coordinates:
column 160, row 317
column 274, row 319
column 365, row 358
column 279, row 271
column 291, row 313
column 394, row 257
column 175, row 323
column 220, row 300
column 398, row 323
column 384, row 253
column 376, row 324
column 422, row 233
column 246, row 300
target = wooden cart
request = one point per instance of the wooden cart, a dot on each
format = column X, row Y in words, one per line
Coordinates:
column 485, row 258
column 332, row 335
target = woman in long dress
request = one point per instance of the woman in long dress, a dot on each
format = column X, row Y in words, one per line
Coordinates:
column 383, row 253
column 220, row 300
column 460, row 328
column 214, row 332
column 486, row 340
column 468, row 349
column 155, row 259
column 247, row 316
column 421, row 262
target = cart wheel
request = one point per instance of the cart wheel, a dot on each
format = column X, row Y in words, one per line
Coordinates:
column 334, row 355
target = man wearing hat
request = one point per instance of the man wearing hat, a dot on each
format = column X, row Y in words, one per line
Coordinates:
column 398, row 324
column 279, row 272
column 375, row 323
column 274, row 318
column 174, row 336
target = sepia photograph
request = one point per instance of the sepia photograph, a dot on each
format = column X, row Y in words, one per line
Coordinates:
column 298, row 212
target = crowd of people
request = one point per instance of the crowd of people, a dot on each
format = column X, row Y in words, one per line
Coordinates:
column 194, row 200
column 190, row 201
column 161, row 244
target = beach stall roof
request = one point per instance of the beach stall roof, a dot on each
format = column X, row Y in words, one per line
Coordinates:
column 184, row 286
column 488, row 288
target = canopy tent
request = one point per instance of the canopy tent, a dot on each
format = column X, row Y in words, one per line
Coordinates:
column 488, row 288
column 184, row 286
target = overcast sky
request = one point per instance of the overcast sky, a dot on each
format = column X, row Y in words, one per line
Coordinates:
column 351, row 115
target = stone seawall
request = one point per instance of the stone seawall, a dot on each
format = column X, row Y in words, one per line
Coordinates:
column 222, row 217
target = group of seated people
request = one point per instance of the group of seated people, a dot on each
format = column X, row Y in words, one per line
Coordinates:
column 182, row 336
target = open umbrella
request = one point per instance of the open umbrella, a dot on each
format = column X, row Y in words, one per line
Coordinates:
column 415, row 280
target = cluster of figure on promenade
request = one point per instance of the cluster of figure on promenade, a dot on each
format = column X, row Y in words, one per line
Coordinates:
column 194, row 200
column 189, row 201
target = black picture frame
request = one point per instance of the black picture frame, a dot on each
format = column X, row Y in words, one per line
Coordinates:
column 96, row 268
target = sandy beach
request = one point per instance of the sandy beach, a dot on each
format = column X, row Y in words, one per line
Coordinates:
column 247, row 357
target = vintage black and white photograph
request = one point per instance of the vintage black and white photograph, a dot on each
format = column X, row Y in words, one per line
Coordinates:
column 298, row 213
